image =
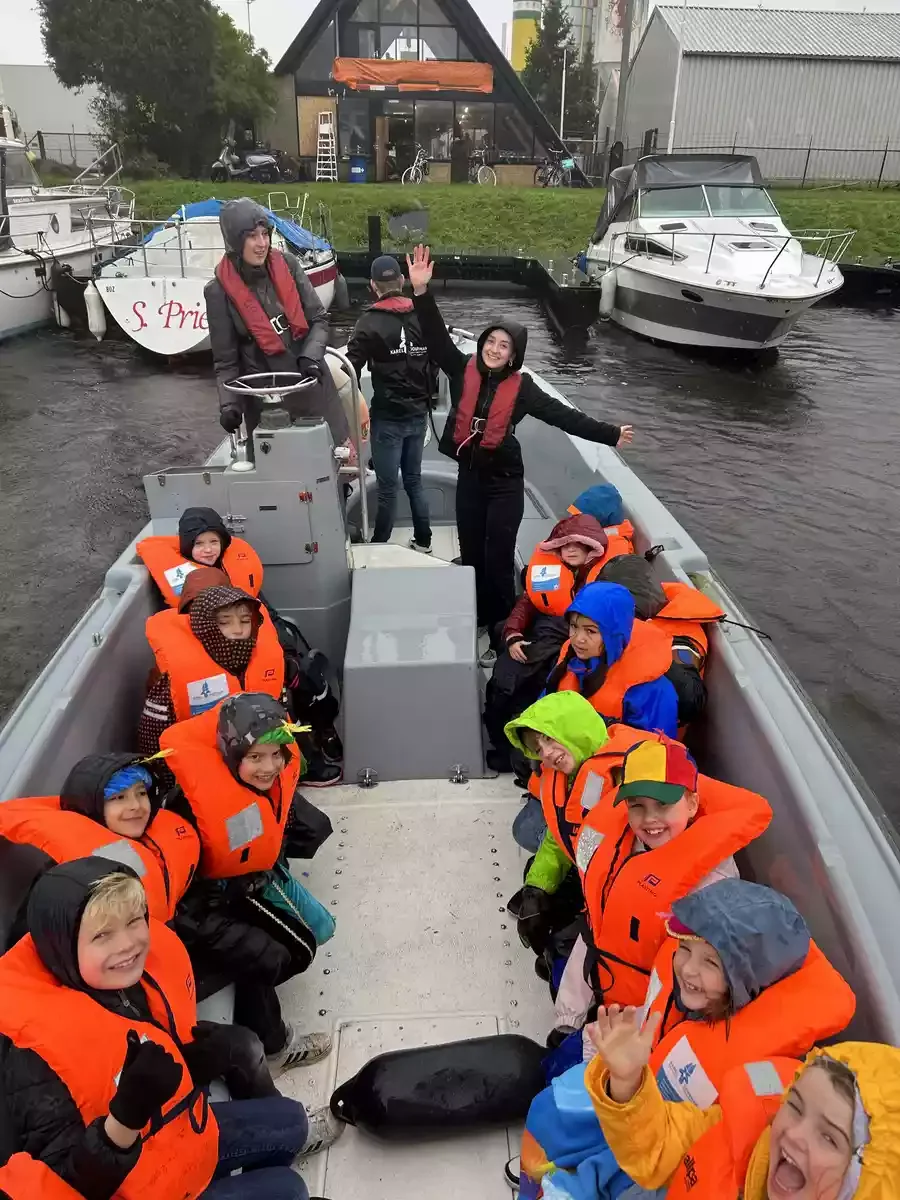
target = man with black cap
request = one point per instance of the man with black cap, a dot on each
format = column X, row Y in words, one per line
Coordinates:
column 388, row 340
column 264, row 315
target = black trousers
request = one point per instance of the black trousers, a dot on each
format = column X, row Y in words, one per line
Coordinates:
column 489, row 510
column 257, row 1007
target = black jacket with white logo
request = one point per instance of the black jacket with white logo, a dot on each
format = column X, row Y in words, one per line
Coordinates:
column 388, row 340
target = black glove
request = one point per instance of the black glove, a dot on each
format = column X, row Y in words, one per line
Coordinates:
column 531, row 906
column 150, row 1076
column 208, row 1056
column 230, row 418
column 310, row 366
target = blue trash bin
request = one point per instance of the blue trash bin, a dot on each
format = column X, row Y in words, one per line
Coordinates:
column 358, row 167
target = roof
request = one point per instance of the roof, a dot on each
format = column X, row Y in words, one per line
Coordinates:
column 771, row 33
column 464, row 18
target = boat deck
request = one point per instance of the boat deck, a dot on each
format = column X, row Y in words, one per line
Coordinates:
column 417, row 874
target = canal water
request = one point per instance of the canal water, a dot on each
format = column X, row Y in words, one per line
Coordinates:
column 788, row 475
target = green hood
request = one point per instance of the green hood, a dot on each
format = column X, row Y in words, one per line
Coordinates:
column 567, row 718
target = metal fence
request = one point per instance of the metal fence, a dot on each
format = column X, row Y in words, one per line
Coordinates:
column 72, row 148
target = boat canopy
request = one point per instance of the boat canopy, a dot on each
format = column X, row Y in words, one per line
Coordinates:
column 295, row 235
column 674, row 171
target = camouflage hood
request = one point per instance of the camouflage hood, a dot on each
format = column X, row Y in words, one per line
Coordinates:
column 245, row 719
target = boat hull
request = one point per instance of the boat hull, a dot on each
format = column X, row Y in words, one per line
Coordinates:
column 25, row 303
column 166, row 315
column 689, row 314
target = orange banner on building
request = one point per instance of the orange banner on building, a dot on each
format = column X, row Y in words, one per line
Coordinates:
column 364, row 74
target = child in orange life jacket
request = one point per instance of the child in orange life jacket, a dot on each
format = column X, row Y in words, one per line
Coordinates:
column 826, row 1129
column 106, row 1073
column 238, row 768
column 535, row 630
column 202, row 541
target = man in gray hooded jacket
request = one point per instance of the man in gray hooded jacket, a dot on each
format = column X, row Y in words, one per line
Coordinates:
column 264, row 315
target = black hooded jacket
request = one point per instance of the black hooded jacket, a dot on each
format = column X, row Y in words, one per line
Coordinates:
column 531, row 401
column 83, row 789
column 195, row 521
column 45, row 1119
column 388, row 340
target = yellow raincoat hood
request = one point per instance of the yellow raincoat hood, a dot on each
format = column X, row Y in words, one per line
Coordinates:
column 877, row 1071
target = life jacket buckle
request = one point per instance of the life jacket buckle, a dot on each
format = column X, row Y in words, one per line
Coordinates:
column 479, row 424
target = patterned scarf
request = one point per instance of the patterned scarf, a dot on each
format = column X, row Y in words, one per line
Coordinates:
column 233, row 657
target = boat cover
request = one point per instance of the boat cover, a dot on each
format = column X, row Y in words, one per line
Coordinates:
column 295, row 235
column 675, row 171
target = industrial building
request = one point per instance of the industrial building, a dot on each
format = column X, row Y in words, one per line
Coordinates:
column 813, row 95
column 525, row 24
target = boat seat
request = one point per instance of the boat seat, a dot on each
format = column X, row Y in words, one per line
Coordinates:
column 412, row 690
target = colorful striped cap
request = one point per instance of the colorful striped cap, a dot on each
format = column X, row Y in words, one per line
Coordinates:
column 662, row 770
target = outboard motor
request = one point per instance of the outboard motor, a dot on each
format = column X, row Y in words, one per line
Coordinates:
column 282, row 489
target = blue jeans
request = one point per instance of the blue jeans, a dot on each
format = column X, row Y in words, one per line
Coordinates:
column 397, row 449
column 263, row 1137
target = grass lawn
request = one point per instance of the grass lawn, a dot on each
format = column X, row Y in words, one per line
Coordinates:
column 504, row 219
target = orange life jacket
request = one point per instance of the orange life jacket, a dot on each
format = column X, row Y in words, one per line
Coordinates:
column 691, row 1058
column 685, row 619
column 26, row 1178
column 170, row 568
column 550, row 584
column 84, row 1044
column 628, row 895
column 240, row 830
column 196, row 680
column 165, row 858
column 715, row 1167
column 564, row 810
column 494, row 427
column 620, row 539
column 647, row 656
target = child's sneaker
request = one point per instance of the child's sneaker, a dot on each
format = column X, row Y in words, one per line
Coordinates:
column 511, row 1172
column 300, row 1050
column 324, row 1131
column 414, row 545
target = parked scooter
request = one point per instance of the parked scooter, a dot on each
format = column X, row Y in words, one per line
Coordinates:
column 258, row 165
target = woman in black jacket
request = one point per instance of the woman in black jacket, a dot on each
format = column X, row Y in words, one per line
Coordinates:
column 489, row 397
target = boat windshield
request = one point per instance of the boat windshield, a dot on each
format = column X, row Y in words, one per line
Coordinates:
column 19, row 171
column 707, row 200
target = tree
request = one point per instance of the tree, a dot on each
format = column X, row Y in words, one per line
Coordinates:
column 542, row 73
column 171, row 72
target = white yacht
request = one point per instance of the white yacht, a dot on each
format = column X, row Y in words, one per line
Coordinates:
column 690, row 249
column 77, row 225
column 153, row 288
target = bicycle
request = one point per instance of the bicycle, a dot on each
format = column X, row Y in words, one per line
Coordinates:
column 555, row 170
column 480, row 172
column 417, row 172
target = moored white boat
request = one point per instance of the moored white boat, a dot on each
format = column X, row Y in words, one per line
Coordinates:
column 690, row 249
column 154, row 286
column 420, row 866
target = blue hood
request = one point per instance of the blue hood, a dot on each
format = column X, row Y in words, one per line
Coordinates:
column 611, row 607
column 603, row 502
column 756, row 932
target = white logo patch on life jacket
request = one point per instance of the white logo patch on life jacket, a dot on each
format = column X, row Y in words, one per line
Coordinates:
column 123, row 852
column 589, row 842
column 175, row 576
column 206, row 693
column 592, row 790
column 682, row 1078
column 244, row 827
column 546, row 577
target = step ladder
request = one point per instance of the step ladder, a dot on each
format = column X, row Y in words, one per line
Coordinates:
column 326, row 150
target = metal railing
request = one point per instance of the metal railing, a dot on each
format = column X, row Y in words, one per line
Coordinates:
column 830, row 245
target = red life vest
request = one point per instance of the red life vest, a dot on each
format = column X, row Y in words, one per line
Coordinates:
column 196, row 680
column 685, row 619
column 394, row 304
column 565, row 810
column 26, row 1178
column 496, row 425
column 169, row 567
column 240, row 830
column 84, row 1044
column 628, row 895
column 647, row 656
column 259, row 326
column 165, row 858
column 715, row 1167
column 692, row 1058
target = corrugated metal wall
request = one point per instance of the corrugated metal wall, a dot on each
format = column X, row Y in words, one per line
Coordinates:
column 651, row 86
column 777, row 107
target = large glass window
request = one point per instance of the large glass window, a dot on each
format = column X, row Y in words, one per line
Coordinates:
column 360, row 41
column 399, row 43
column 437, row 41
column 674, row 202
column 477, row 124
column 434, row 127
column 319, row 59
column 399, row 10
column 353, row 125
column 366, row 10
column 513, row 134
column 431, row 13
column 740, row 201
column 20, row 172
column 465, row 53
